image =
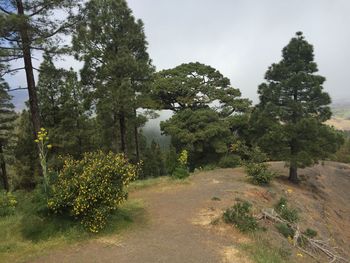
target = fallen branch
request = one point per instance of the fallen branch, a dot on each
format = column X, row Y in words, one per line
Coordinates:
column 314, row 245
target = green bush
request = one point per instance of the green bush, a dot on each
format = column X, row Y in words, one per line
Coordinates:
column 240, row 216
column 8, row 203
column 180, row 172
column 90, row 189
column 289, row 214
column 310, row 233
column 229, row 161
column 259, row 173
column 254, row 162
column 285, row 230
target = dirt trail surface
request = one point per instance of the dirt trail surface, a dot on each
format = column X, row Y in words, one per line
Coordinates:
column 180, row 226
column 178, row 229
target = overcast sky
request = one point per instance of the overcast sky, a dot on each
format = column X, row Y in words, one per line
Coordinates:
column 241, row 38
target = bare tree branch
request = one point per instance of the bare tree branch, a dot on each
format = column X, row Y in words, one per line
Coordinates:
column 5, row 11
column 20, row 88
column 11, row 70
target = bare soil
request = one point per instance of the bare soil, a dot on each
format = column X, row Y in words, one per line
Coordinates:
column 181, row 229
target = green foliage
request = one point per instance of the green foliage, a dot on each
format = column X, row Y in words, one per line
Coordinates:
column 170, row 160
column 63, row 107
column 240, row 216
column 311, row 233
column 285, row 230
column 259, row 173
column 26, row 164
column 190, row 90
column 229, row 161
column 8, row 203
column 91, row 188
column 195, row 86
column 202, row 132
column 287, row 213
column 180, row 172
column 181, row 169
column 288, row 121
column 153, row 163
column 343, row 154
column 254, row 162
column 7, row 117
column 117, row 69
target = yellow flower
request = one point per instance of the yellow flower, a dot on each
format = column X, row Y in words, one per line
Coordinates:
column 49, row 146
column 36, row 140
column 300, row 255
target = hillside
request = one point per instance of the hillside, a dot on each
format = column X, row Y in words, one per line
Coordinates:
column 184, row 219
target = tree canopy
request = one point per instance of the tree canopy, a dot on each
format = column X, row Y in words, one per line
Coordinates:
column 293, row 106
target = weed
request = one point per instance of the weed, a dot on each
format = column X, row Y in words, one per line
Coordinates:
column 285, row 230
column 310, row 233
column 240, row 216
column 289, row 214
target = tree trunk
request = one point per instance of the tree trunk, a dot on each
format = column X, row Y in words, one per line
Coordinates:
column 136, row 134
column 3, row 170
column 122, row 128
column 293, row 174
column 33, row 100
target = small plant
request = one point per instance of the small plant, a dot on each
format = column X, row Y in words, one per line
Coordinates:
column 181, row 170
column 43, row 144
column 215, row 198
column 259, row 173
column 254, row 162
column 310, row 233
column 285, row 230
column 289, row 214
column 90, row 189
column 8, row 203
column 240, row 216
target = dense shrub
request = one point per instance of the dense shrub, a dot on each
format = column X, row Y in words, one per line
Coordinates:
column 229, row 161
column 240, row 216
column 259, row 173
column 91, row 188
column 289, row 214
column 8, row 203
column 285, row 230
column 254, row 162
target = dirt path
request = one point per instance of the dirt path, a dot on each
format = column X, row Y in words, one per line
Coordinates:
column 179, row 228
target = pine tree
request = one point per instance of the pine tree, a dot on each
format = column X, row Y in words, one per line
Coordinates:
column 63, row 110
column 7, row 117
column 116, row 68
column 293, row 106
column 29, row 26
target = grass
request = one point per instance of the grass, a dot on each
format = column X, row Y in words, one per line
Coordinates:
column 22, row 239
column 25, row 236
column 262, row 251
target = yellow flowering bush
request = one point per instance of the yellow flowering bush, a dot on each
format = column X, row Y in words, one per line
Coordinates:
column 91, row 188
column 183, row 158
column 181, row 169
column 8, row 203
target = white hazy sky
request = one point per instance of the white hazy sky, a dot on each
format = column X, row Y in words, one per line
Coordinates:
column 241, row 38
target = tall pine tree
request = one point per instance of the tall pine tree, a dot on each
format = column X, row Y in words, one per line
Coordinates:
column 62, row 106
column 116, row 68
column 293, row 106
column 7, row 117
